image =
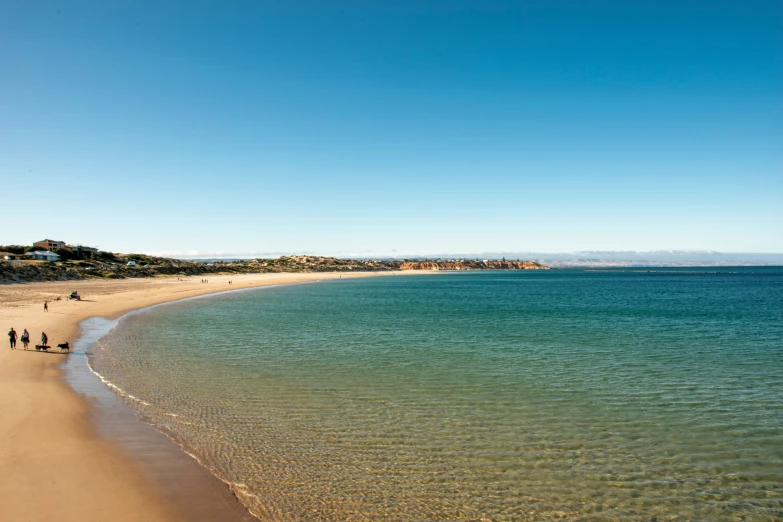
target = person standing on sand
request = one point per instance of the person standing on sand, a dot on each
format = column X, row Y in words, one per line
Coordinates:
column 12, row 337
column 25, row 338
column 44, row 338
column 46, row 306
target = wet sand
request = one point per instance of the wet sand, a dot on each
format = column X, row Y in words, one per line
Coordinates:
column 73, row 452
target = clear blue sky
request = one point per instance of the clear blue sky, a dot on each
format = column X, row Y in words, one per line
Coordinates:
column 417, row 128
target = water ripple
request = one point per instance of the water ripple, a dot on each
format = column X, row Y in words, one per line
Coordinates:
column 566, row 395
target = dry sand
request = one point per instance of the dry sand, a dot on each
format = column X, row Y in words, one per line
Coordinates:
column 53, row 464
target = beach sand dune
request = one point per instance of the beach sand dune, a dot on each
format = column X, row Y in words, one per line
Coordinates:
column 53, row 463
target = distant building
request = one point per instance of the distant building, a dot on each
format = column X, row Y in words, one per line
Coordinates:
column 8, row 256
column 49, row 244
column 44, row 255
column 81, row 248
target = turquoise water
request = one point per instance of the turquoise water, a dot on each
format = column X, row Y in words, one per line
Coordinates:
column 475, row 396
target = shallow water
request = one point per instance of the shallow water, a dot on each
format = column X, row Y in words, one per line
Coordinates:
column 469, row 396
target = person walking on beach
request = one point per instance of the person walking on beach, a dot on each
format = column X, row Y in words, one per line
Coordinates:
column 46, row 306
column 44, row 338
column 25, row 338
column 12, row 337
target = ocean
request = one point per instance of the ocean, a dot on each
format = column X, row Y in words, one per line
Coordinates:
column 633, row 394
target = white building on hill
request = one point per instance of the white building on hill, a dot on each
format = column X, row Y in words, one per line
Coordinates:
column 44, row 255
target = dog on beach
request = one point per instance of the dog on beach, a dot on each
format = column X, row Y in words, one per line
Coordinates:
column 39, row 347
column 64, row 347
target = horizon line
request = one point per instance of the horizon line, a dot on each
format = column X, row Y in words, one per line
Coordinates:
column 219, row 254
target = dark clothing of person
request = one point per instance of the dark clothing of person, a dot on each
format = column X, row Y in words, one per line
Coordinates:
column 44, row 339
column 12, row 338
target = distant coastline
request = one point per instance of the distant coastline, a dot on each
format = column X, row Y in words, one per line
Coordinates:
column 108, row 265
column 486, row 264
column 573, row 259
column 62, row 262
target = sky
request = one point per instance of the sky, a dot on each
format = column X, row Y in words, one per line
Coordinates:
column 390, row 128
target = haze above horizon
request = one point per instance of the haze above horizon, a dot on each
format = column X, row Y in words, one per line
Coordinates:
column 416, row 127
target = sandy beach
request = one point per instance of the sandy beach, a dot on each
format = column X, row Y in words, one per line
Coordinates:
column 53, row 463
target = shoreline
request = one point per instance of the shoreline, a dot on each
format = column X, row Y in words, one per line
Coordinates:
column 190, row 488
column 55, row 462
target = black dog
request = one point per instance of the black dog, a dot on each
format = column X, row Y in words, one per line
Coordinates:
column 64, row 347
column 39, row 347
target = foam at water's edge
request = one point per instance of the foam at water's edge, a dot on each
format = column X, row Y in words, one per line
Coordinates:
column 91, row 330
column 119, row 391
column 101, row 390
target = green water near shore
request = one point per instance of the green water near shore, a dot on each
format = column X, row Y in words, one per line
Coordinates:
column 470, row 396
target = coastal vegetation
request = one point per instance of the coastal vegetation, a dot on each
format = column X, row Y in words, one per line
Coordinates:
column 108, row 265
